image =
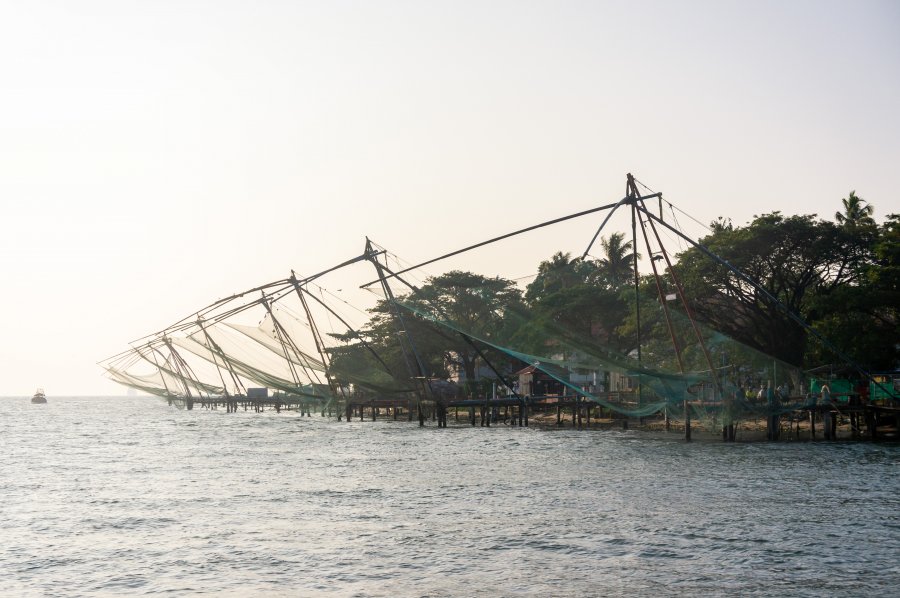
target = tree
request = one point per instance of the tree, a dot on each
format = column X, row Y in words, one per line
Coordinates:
column 572, row 300
column 378, row 359
column 453, row 306
column 558, row 273
column 884, row 279
column 617, row 264
column 795, row 259
column 885, row 271
column 857, row 212
column 864, row 318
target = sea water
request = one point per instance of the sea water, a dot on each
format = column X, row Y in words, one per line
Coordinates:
column 128, row 496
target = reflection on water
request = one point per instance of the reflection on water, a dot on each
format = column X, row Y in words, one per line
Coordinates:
column 130, row 496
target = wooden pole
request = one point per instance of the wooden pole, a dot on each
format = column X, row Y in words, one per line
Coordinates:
column 687, row 421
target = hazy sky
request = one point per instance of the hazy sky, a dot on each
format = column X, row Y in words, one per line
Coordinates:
column 155, row 156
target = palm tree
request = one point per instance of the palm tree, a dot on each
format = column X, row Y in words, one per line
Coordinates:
column 560, row 273
column 857, row 212
column 553, row 275
column 617, row 265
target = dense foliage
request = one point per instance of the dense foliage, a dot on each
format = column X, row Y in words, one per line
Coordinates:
column 836, row 277
column 841, row 277
column 411, row 345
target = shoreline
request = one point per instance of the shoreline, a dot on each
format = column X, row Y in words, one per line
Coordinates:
column 745, row 431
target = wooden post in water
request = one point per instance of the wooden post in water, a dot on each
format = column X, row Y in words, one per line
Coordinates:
column 687, row 421
column 726, row 416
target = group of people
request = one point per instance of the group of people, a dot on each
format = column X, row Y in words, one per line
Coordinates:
column 773, row 396
column 767, row 393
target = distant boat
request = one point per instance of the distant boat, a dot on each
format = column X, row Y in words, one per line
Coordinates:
column 39, row 396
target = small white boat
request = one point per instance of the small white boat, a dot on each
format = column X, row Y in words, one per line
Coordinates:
column 39, row 396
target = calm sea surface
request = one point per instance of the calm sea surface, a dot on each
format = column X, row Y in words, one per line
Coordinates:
column 129, row 496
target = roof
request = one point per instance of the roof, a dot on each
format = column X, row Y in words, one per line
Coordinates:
column 526, row 370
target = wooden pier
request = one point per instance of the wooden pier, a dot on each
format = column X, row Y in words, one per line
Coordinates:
column 828, row 421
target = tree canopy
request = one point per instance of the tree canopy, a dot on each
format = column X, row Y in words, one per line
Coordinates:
column 818, row 270
column 841, row 277
column 429, row 330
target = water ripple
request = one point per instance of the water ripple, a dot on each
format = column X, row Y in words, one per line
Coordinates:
column 111, row 497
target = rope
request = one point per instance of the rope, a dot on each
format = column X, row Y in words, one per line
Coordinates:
column 495, row 239
column 644, row 186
